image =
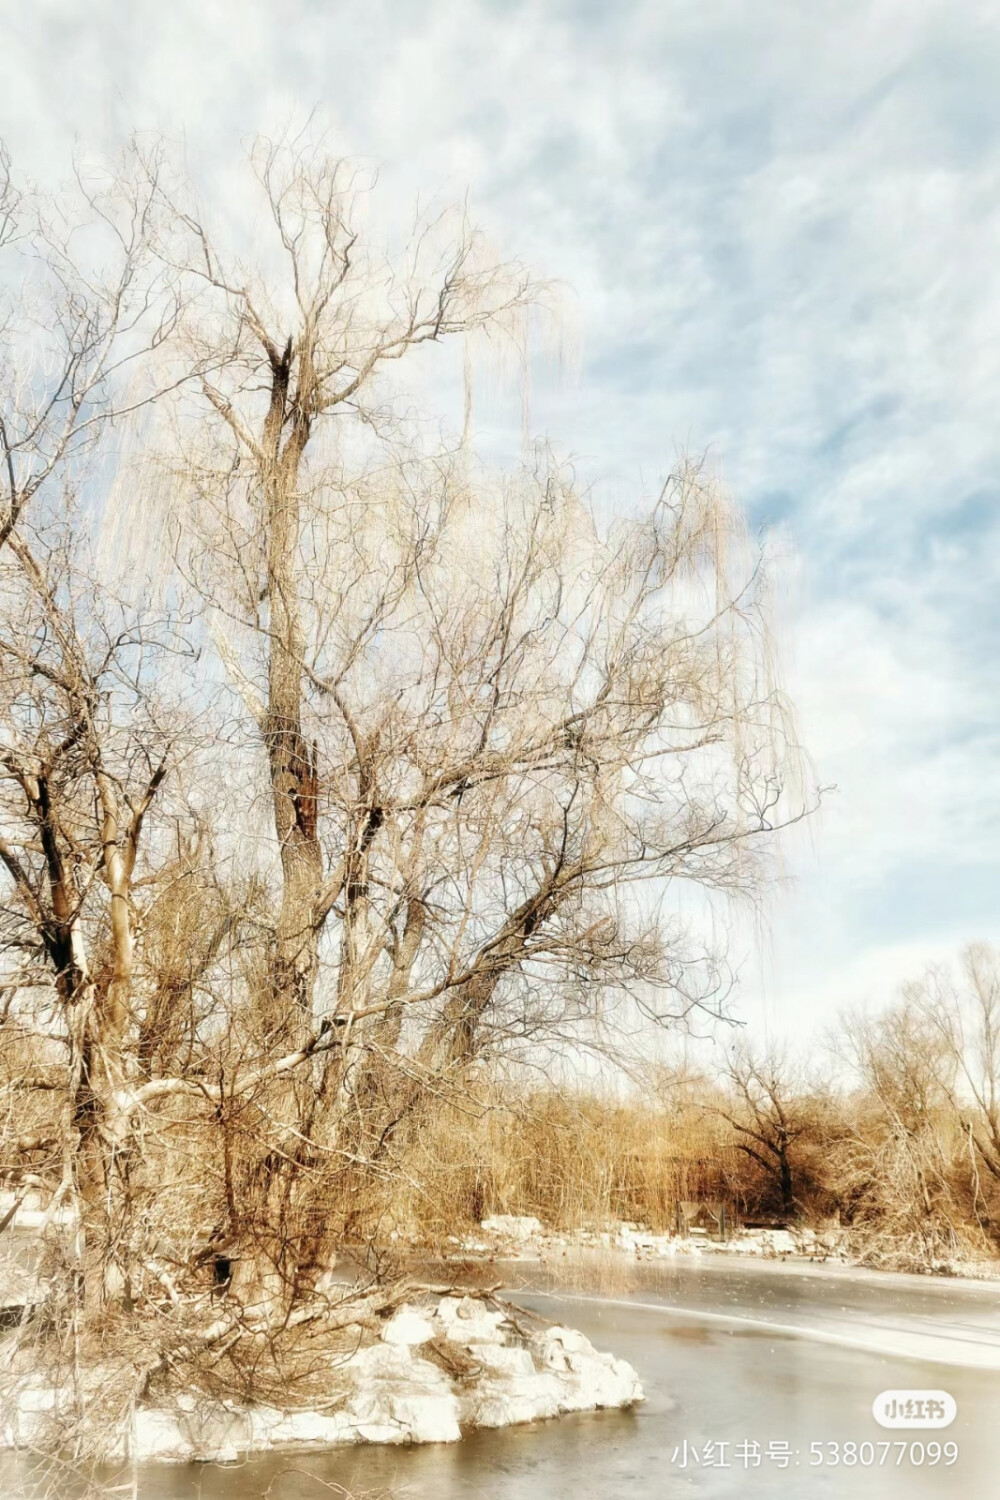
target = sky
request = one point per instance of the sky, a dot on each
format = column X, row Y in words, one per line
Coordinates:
column 779, row 227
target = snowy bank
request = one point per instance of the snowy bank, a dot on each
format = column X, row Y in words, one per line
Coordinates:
column 525, row 1238
column 435, row 1370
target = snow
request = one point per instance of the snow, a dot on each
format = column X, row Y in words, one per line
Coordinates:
column 513, row 1226
column 531, row 1240
column 408, row 1326
column 392, row 1393
column 510, row 1399
column 466, row 1320
column 589, row 1377
column 34, row 1408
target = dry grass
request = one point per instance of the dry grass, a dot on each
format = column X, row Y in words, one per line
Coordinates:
column 906, row 1192
column 575, row 1160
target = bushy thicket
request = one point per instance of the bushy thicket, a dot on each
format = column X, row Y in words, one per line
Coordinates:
column 892, row 1137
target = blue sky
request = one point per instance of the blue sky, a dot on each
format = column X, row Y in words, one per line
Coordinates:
column 781, row 227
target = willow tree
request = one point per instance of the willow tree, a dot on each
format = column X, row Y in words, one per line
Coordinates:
column 494, row 735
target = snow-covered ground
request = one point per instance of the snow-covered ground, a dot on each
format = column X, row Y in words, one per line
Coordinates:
column 514, row 1237
column 517, row 1235
column 435, row 1370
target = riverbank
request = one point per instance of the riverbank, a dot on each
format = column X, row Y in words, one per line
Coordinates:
column 435, row 1370
column 514, row 1237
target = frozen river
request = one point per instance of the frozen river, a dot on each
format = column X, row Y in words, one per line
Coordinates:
column 759, row 1381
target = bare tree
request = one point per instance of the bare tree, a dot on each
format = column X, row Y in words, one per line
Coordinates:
column 475, row 741
column 768, row 1116
column 83, row 749
column 87, row 741
column 893, row 1166
column 284, row 377
column 965, row 1020
column 483, row 721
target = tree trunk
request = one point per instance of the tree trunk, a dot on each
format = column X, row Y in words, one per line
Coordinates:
column 292, row 761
